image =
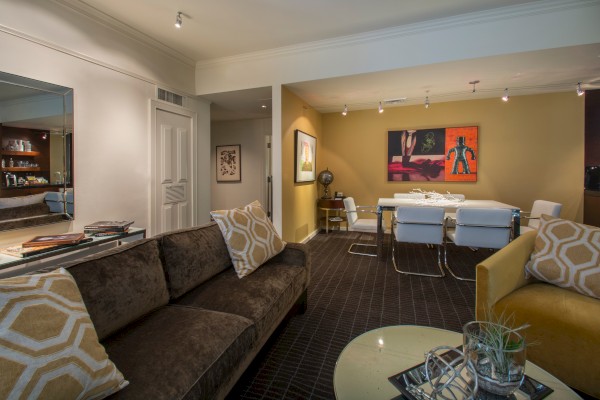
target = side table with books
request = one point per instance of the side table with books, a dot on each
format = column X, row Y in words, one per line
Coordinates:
column 49, row 247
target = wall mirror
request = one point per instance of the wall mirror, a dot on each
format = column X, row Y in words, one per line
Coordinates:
column 36, row 139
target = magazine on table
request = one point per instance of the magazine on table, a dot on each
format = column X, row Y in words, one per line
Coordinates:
column 52, row 240
column 108, row 226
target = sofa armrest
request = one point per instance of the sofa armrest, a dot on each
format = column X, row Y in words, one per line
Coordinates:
column 502, row 273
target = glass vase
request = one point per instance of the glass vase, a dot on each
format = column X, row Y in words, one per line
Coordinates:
column 497, row 353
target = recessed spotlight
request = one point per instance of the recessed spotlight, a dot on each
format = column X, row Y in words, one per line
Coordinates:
column 580, row 91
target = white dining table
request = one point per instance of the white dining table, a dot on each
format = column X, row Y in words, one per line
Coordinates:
column 390, row 204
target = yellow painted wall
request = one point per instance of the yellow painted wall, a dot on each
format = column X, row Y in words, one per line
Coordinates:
column 299, row 199
column 529, row 148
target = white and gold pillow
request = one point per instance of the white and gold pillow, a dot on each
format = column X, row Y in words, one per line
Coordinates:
column 250, row 236
column 48, row 345
column 567, row 254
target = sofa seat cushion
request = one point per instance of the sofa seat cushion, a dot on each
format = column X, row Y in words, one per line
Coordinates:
column 120, row 285
column 563, row 332
column 264, row 296
column 179, row 352
column 185, row 266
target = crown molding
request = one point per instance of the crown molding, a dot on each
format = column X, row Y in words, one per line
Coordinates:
column 82, row 8
column 474, row 18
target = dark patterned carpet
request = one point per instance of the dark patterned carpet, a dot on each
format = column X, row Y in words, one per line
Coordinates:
column 349, row 295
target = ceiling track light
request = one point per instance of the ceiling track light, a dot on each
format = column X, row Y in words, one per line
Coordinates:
column 178, row 20
column 580, row 91
column 427, row 102
column 345, row 112
column 380, row 108
column 505, row 97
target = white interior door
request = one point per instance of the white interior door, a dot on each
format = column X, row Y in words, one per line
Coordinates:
column 173, row 170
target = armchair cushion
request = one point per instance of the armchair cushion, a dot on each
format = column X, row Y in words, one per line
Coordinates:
column 567, row 254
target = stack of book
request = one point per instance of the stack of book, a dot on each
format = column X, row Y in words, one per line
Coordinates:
column 107, row 228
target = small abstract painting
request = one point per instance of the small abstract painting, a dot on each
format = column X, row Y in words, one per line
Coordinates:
column 229, row 163
column 436, row 155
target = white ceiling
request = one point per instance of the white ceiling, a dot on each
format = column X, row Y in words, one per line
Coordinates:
column 221, row 28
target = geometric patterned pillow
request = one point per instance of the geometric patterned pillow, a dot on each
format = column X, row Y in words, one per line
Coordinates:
column 250, row 236
column 567, row 254
column 48, row 346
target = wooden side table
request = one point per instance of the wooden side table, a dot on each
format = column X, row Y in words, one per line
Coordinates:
column 331, row 212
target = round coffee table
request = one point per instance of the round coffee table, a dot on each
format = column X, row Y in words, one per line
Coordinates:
column 364, row 366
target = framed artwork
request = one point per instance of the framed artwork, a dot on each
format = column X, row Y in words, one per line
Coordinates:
column 229, row 163
column 305, row 159
column 436, row 155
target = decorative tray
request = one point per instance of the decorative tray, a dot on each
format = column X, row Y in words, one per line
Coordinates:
column 413, row 385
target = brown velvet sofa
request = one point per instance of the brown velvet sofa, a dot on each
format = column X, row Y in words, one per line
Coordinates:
column 565, row 325
column 26, row 216
column 175, row 318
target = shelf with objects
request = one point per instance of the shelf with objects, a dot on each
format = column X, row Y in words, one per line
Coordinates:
column 28, row 158
column 332, row 214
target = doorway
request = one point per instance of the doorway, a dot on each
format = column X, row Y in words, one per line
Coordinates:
column 173, row 166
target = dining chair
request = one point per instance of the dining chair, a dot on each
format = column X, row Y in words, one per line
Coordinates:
column 539, row 207
column 423, row 225
column 486, row 228
column 356, row 224
column 451, row 216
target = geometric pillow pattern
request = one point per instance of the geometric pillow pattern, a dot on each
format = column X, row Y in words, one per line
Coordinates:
column 250, row 236
column 567, row 254
column 48, row 345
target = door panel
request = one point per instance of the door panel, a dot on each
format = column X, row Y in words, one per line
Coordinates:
column 174, row 156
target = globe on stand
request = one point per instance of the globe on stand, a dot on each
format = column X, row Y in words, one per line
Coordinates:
column 325, row 178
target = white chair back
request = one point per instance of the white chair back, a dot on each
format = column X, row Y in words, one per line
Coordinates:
column 487, row 228
column 409, row 196
column 420, row 225
column 351, row 213
column 543, row 207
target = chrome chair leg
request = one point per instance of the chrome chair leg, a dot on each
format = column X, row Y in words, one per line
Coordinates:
column 441, row 275
column 360, row 253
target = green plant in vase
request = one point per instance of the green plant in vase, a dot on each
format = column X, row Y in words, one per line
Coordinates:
column 497, row 352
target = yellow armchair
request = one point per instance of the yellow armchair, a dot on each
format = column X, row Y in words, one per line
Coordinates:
column 564, row 335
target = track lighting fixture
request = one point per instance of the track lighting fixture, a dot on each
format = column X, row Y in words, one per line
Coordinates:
column 483, row 93
column 580, row 91
column 178, row 20
column 473, row 83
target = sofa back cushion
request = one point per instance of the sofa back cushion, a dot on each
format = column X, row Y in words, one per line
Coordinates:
column 567, row 254
column 193, row 256
column 120, row 285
